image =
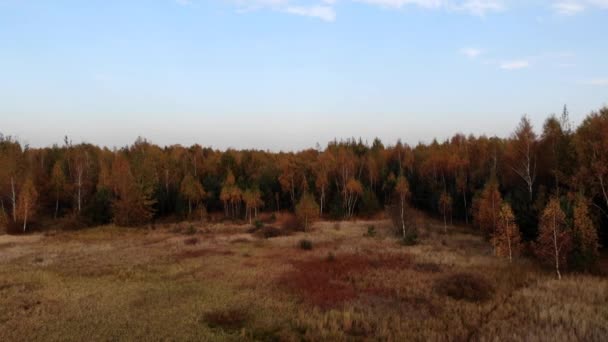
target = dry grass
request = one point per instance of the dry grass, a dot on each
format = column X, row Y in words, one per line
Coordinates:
column 110, row 283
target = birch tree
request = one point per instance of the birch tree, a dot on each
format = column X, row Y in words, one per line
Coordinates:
column 27, row 201
column 402, row 188
column 554, row 239
column 523, row 149
column 507, row 238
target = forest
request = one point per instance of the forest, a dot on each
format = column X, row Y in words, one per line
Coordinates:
column 542, row 191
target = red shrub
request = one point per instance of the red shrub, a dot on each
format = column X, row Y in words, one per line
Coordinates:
column 328, row 283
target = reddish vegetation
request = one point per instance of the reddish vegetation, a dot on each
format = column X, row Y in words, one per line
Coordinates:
column 465, row 286
column 329, row 283
column 226, row 319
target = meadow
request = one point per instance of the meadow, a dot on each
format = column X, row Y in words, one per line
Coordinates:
column 339, row 281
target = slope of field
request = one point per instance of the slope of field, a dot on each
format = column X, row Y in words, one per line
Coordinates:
column 218, row 282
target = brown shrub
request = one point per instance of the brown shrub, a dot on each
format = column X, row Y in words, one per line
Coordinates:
column 328, row 283
column 291, row 223
column 191, row 241
column 427, row 267
column 465, row 286
column 200, row 253
column 228, row 319
column 240, row 240
column 269, row 232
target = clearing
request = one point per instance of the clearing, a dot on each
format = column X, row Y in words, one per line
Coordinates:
column 217, row 282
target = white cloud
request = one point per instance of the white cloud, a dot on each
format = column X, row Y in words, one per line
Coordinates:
column 401, row 3
column 573, row 7
column 515, row 64
column 481, row 7
column 471, row 52
column 475, row 7
column 325, row 13
column 568, row 7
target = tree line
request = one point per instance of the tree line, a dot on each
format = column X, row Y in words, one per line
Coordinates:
column 549, row 187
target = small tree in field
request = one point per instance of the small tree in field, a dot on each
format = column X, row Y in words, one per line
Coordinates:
column 27, row 201
column 553, row 242
column 445, row 206
column 192, row 190
column 307, row 209
column 506, row 239
column 402, row 188
column 584, row 235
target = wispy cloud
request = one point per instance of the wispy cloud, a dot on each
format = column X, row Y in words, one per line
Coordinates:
column 184, row 2
column 481, row 7
column 402, row 3
column 573, row 7
column 598, row 82
column 471, row 52
column 568, row 7
column 515, row 64
column 475, row 7
column 325, row 13
column 325, row 9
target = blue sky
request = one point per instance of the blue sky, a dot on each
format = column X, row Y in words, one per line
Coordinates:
column 285, row 74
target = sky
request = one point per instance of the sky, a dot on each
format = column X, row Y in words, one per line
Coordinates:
column 287, row 74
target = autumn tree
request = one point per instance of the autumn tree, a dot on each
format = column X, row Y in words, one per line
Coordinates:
column 253, row 201
column 506, row 239
column 12, row 165
column 352, row 192
column 27, row 201
column 402, row 188
column 592, row 149
column 192, row 190
column 322, row 178
column 554, row 239
column 289, row 176
column 584, row 236
column 445, row 206
column 132, row 205
column 231, row 195
column 522, row 152
column 58, row 183
column 307, row 209
column 486, row 207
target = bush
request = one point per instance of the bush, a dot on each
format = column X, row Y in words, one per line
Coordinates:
column 268, row 232
column 230, row 319
column 305, row 244
column 273, row 217
column 291, row 223
column 190, row 230
column 371, row 231
column 427, row 267
column 411, row 226
column 410, row 238
column 258, row 224
column 465, row 286
column 191, row 241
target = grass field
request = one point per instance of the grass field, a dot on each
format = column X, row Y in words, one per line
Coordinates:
column 220, row 283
